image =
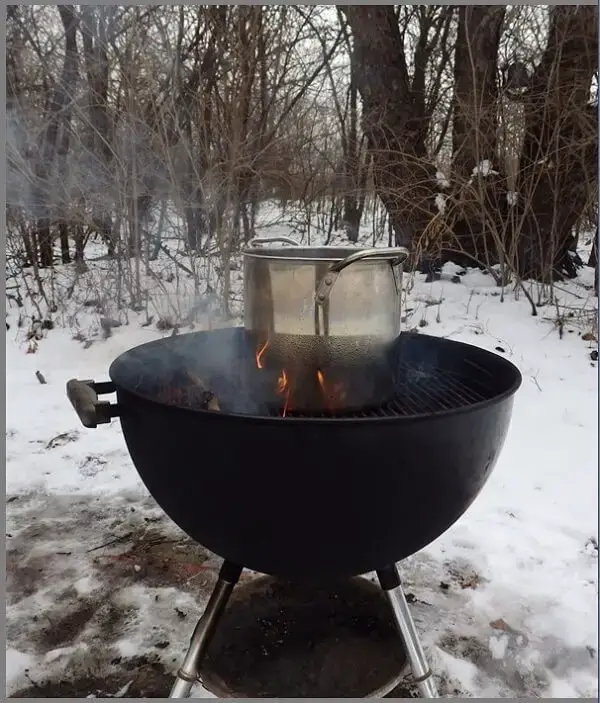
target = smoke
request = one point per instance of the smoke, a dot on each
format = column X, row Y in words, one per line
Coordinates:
column 223, row 360
column 21, row 153
column 101, row 180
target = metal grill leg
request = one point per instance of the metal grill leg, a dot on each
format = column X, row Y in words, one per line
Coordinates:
column 188, row 673
column 390, row 583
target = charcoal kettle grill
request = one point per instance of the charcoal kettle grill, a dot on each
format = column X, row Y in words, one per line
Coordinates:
column 309, row 496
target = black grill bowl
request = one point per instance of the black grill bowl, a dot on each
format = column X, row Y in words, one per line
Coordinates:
column 315, row 498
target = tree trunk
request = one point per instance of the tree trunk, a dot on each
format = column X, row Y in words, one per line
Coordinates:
column 559, row 155
column 44, row 237
column 193, row 155
column 194, row 221
column 45, row 164
column 104, row 226
column 403, row 177
column 79, row 247
column 559, row 163
column 70, row 73
column 593, row 260
column 474, row 137
column 475, row 106
column 100, row 138
column 31, row 250
column 65, row 255
column 138, row 212
column 353, row 177
column 434, row 28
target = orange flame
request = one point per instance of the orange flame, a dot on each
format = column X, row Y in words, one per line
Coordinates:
column 324, row 391
column 332, row 394
column 282, row 382
column 284, row 388
column 259, row 354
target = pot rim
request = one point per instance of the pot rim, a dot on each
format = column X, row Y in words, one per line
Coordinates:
column 308, row 254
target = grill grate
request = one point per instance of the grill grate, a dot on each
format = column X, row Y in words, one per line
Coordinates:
column 418, row 392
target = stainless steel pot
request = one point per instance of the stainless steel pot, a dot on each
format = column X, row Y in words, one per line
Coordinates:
column 321, row 306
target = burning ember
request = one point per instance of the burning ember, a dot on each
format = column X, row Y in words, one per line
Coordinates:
column 189, row 392
column 332, row 394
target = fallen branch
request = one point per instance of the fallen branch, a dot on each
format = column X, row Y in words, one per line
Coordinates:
column 123, row 538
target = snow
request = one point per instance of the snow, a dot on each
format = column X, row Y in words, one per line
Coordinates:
column 517, row 615
column 484, row 169
column 442, row 180
column 16, row 663
column 498, row 646
column 440, row 202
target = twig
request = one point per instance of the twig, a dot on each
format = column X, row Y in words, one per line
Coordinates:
column 35, row 684
column 569, row 292
column 534, row 379
column 175, row 261
column 112, row 541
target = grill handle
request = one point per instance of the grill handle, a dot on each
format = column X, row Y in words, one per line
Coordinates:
column 84, row 399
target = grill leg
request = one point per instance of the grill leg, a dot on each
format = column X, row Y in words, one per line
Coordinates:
column 188, row 673
column 390, row 583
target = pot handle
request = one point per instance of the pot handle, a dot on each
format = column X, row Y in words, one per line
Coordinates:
column 84, row 399
column 395, row 255
column 256, row 241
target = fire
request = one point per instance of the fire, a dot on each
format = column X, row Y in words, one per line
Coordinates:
column 333, row 394
column 282, row 382
column 283, row 388
column 259, row 354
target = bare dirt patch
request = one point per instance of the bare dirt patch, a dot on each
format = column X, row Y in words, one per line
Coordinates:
column 86, row 578
column 104, row 594
column 139, row 677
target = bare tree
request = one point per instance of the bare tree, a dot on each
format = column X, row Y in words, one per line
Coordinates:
column 475, row 123
column 98, row 137
column 163, row 131
column 483, row 220
column 48, row 143
column 559, row 162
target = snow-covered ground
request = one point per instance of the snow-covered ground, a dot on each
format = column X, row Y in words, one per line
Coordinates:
column 103, row 591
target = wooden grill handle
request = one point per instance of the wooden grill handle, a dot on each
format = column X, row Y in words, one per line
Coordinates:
column 84, row 399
